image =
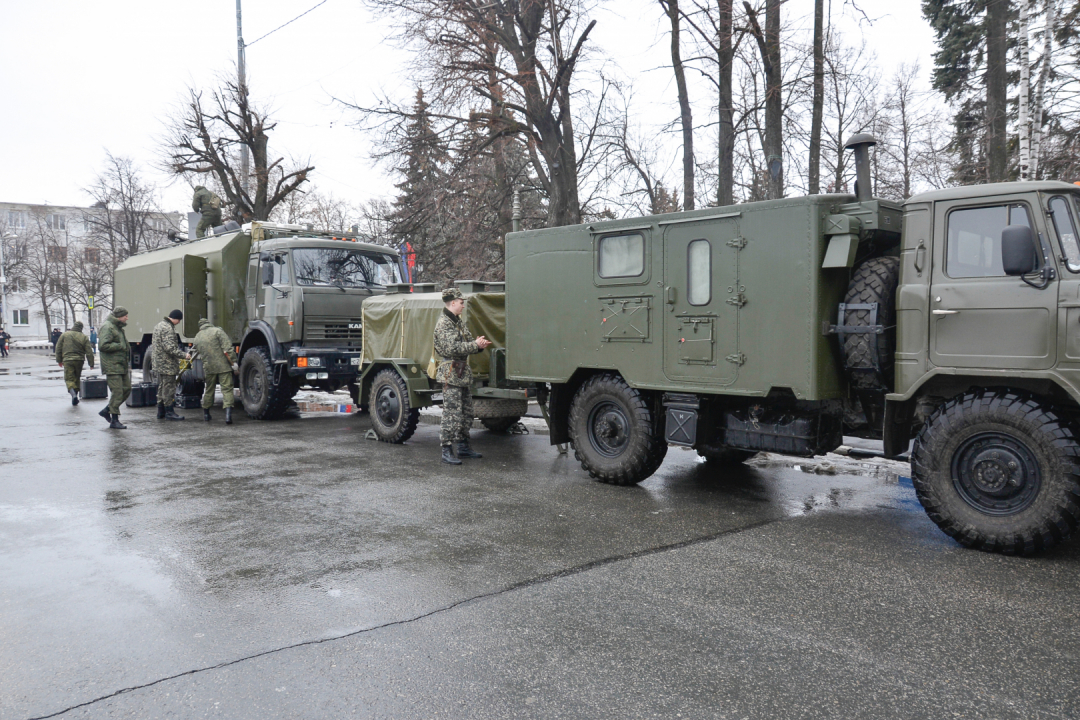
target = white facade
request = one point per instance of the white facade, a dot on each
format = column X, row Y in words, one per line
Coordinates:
column 23, row 314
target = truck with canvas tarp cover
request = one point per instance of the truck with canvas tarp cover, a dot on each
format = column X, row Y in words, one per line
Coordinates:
column 952, row 320
column 289, row 298
column 399, row 360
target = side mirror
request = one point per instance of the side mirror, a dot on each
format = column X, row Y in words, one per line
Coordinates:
column 1017, row 250
column 268, row 273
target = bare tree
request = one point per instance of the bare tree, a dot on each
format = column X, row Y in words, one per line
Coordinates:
column 769, row 46
column 818, row 102
column 686, row 121
column 205, row 139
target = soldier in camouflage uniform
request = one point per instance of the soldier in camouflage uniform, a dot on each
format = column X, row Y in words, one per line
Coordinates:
column 71, row 348
column 454, row 346
column 209, row 204
column 115, row 355
column 218, row 356
column 167, row 357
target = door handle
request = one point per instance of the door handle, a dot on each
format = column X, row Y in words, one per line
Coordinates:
column 920, row 257
column 944, row 312
column 670, row 295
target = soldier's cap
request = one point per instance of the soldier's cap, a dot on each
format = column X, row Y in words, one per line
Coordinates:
column 176, row 315
column 451, row 293
column 119, row 311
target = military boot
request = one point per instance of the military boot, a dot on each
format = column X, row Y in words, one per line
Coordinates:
column 114, row 423
column 464, row 451
column 170, row 414
column 106, row 414
column 228, row 416
column 74, row 396
column 206, row 414
column 161, row 412
column 448, row 455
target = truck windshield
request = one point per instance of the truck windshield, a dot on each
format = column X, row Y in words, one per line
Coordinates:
column 343, row 268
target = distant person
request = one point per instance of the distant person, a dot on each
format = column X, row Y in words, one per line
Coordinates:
column 166, row 363
column 71, row 348
column 4, row 337
column 116, row 364
column 209, row 205
column 53, row 337
column 93, row 337
column 454, row 346
column 217, row 354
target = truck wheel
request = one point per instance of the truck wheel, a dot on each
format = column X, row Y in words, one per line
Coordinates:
column 263, row 399
column 499, row 407
column 500, row 424
column 874, row 282
column 616, row 435
column 725, row 456
column 392, row 418
column 997, row 470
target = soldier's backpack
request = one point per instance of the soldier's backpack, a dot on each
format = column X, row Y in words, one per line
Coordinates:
column 215, row 201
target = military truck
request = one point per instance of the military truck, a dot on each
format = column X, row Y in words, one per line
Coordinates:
column 288, row 296
column 399, row 362
column 952, row 320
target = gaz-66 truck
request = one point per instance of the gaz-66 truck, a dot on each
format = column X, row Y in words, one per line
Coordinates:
column 952, row 320
column 290, row 299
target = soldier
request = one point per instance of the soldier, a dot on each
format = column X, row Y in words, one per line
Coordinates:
column 71, row 348
column 4, row 337
column 218, row 357
column 116, row 364
column 454, row 347
column 167, row 356
column 209, row 204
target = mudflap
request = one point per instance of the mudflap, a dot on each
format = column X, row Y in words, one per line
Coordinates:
column 896, row 428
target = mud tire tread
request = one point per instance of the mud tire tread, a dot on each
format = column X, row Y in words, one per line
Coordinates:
column 874, row 281
column 406, row 426
column 278, row 397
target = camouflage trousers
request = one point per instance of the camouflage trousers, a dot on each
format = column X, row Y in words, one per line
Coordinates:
column 166, row 393
column 119, row 389
column 72, row 373
column 209, row 220
column 457, row 414
column 212, row 381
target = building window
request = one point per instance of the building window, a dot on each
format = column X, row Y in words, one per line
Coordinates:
column 92, row 256
column 57, row 253
column 55, row 286
column 20, row 317
column 55, row 221
column 16, row 219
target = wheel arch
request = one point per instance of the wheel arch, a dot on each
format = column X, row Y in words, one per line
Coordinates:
column 414, row 381
column 261, row 334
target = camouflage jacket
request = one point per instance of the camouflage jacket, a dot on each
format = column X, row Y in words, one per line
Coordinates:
column 167, row 352
column 202, row 202
column 454, row 345
column 214, row 348
column 74, row 346
column 113, row 348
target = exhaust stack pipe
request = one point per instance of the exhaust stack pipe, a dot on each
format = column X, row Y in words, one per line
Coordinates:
column 861, row 145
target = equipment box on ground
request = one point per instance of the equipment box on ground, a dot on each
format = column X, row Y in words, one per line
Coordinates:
column 142, row 395
column 93, row 387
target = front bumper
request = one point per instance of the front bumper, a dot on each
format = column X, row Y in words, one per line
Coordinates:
column 314, row 364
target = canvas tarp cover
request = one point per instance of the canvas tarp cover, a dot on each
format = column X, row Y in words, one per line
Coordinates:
column 403, row 326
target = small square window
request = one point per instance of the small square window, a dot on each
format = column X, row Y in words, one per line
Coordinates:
column 621, row 256
column 20, row 317
column 56, row 221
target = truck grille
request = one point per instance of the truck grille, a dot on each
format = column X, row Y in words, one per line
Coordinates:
column 340, row 332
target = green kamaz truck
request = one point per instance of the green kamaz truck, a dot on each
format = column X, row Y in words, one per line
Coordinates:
column 952, row 320
column 289, row 297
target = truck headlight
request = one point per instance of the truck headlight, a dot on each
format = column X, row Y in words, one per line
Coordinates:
column 312, row 376
column 314, row 362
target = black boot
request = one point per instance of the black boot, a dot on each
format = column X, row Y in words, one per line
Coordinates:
column 114, row 423
column 464, row 451
column 448, row 455
column 74, row 396
column 170, row 414
column 161, row 412
column 228, row 416
column 206, row 414
column 106, row 414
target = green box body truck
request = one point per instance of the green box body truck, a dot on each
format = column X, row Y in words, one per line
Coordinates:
column 952, row 321
column 289, row 298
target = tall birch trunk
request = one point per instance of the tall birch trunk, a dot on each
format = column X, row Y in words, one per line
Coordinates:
column 1024, row 124
column 1037, row 112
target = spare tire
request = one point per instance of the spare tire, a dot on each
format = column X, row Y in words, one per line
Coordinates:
column 868, row 357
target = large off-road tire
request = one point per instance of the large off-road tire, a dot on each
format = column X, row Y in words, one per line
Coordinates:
column 874, row 282
column 500, row 424
column 999, row 470
column 393, row 419
column 499, row 414
column 263, row 398
column 616, row 433
column 725, row 456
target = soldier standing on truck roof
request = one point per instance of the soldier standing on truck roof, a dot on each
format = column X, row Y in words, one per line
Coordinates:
column 71, row 348
column 454, row 347
column 218, row 357
column 209, row 204
column 167, row 357
column 116, row 364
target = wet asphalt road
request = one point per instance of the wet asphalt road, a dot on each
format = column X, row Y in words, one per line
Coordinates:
column 295, row 570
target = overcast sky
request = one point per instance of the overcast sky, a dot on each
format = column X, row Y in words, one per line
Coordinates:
column 82, row 78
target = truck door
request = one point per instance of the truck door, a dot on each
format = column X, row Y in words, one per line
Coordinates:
column 979, row 317
column 274, row 291
column 701, row 301
column 194, row 270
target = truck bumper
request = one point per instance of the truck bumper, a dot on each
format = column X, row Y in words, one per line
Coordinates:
column 324, row 364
